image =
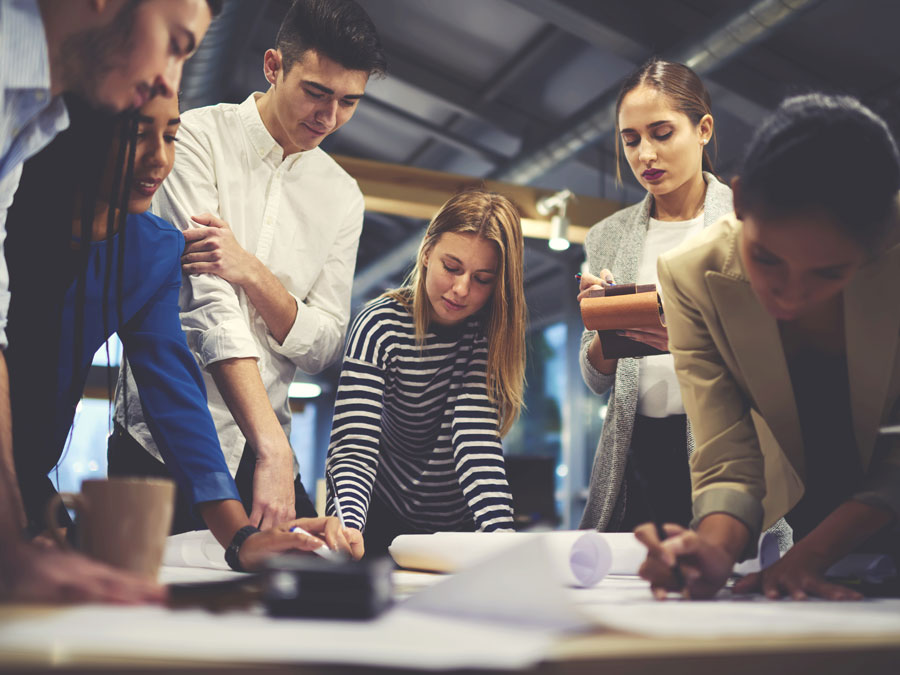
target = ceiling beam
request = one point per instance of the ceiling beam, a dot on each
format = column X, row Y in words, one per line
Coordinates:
column 418, row 193
column 412, row 192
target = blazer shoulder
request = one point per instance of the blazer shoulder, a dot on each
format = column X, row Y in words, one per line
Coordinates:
column 714, row 249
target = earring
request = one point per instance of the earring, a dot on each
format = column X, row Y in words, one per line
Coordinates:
column 702, row 141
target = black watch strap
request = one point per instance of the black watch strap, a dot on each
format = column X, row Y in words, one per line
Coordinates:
column 234, row 548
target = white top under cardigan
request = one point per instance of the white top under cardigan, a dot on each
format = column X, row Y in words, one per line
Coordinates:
column 658, row 392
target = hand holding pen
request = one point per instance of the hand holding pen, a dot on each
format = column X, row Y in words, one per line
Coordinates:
column 702, row 566
column 589, row 282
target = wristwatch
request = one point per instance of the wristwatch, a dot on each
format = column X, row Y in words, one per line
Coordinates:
column 234, row 548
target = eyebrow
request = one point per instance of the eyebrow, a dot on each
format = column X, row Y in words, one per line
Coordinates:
column 144, row 119
column 457, row 260
column 326, row 90
column 652, row 125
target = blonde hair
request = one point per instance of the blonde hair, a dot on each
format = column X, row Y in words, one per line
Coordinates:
column 494, row 218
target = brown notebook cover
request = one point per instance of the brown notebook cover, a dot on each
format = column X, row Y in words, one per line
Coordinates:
column 623, row 307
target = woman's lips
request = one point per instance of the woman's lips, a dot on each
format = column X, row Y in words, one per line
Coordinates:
column 146, row 186
column 452, row 306
column 653, row 174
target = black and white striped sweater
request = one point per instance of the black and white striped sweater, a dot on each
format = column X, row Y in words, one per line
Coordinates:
column 419, row 420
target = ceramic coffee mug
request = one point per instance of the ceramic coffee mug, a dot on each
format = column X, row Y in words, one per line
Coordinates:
column 121, row 521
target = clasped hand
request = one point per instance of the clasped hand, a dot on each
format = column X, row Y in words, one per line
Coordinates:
column 213, row 249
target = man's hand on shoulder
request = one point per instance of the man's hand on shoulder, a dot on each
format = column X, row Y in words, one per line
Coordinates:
column 213, row 249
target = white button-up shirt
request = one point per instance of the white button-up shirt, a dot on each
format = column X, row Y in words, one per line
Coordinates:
column 29, row 117
column 301, row 216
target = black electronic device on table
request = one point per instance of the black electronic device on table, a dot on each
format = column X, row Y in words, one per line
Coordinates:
column 308, row 586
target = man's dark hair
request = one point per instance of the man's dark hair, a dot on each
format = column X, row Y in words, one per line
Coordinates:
column 338, row 29
column 215, row 7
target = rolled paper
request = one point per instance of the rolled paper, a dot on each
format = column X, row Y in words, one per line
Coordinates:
column 580, row 558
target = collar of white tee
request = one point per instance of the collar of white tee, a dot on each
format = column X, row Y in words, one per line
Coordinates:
column 677, row 224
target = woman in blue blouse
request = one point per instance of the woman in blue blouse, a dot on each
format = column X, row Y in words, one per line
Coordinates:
column 77, row 288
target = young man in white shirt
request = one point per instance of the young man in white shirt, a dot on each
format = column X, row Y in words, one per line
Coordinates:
column 272, row 228
column 115, row 54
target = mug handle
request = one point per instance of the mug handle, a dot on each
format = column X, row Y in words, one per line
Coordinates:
column 70, row 500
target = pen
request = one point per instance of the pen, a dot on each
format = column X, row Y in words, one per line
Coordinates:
column 323, row 551
column 334, row 497
column 657, row 522
column 608, row 277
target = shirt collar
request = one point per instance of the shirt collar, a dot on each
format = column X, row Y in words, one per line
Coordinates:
column 263, row 142
column 24, row 59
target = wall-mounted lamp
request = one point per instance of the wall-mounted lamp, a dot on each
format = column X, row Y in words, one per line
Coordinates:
column 304, row 390
column 556, row 204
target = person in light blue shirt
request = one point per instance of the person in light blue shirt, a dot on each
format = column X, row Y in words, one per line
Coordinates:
column 116, row 55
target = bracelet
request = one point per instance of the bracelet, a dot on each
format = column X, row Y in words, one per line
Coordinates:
column 234, row 548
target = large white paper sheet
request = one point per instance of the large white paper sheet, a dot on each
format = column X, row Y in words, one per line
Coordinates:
column 517, row 586
column 399, row 639
column 622, row 605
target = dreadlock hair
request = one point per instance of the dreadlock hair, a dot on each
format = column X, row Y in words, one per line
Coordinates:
column 59, row 187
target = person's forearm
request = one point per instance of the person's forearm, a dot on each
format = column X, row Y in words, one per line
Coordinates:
column 223, row 518
column 241, row 386
column 595, row 356
column 12, row 512
column 726, row 532
column 275, row 305
column 843, row 530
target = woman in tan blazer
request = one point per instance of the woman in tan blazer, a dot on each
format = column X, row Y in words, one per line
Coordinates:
column 784, row 322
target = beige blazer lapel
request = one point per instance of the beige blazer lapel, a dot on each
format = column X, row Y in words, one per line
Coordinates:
column 756, row 346
column 872, row 324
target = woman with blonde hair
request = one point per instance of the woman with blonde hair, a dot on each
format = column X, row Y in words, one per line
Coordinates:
column 432, row 378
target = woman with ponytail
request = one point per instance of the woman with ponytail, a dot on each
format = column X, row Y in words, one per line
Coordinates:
column 664, row 125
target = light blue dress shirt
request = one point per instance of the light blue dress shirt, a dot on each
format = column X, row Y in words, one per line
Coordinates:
column 29, row 116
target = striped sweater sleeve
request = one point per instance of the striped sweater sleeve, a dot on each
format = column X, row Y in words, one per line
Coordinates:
column 478, row 453
column 356, row 425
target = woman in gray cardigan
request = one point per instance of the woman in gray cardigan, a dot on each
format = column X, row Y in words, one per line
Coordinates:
column 640, row 469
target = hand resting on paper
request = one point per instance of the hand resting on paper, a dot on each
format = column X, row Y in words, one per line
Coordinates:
column 324, row 531
column 798, row 575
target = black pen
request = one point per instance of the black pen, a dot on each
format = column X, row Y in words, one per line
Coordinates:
column 334, row 497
